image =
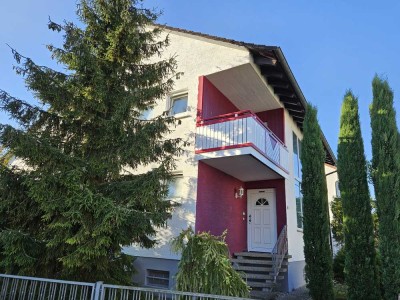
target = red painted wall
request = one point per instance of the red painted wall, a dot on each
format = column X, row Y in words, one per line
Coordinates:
column 217, row 209
column 275, row 120
column 279, row 186
column 211, row 101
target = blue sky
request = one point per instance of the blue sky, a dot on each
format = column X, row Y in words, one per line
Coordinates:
column 331, row 46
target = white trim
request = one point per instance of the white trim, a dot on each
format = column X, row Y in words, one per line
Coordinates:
column 274, row 221
column 170, row 99
column 242, row 151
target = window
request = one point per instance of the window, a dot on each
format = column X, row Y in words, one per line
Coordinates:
column 297, row 178
column 147, row 114
column 262, row 201
column 337, row 189
column 299, row 204
column 175, row 187
column 157, row 278
column 178, row 104
column 296, row 156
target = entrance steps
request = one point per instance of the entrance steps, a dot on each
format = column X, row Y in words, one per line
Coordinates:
column 256, row 269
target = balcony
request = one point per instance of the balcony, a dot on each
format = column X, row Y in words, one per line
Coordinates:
column 241, row 133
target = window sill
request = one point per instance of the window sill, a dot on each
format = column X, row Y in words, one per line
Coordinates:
column 182, row 115
column 174, row 199
column 154, row 286
column 299, row 230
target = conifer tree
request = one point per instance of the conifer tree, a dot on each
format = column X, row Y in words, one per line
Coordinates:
column 360, row 266
column 386, row 180
column 316, row 230
column 205, row 266
column 77, row 197
column 337, row 221
column 5, row 156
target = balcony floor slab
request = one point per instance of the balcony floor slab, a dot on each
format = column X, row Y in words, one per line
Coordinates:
column 245, row 164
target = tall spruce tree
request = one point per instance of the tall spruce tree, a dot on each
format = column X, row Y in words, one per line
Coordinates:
column 386, row 180
column 360, row 267
column 5, row 156
column 76, row 197
column 317, row 251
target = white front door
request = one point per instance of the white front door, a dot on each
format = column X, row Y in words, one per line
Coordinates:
column 261, row 220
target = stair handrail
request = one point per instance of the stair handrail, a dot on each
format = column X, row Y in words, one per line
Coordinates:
column 279, row 252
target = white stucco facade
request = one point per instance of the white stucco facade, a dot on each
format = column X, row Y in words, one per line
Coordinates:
column 196, row 57
column 199, row 56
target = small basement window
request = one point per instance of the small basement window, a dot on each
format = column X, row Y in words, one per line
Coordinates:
column 157, row 278
column 179, row 104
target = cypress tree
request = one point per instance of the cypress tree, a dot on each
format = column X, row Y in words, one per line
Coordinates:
column 316, row 232
column 386, row 179
column 360, row 266
column 337, row 221
column 78, row 196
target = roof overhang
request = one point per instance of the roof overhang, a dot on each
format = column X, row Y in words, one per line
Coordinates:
column 276, row 71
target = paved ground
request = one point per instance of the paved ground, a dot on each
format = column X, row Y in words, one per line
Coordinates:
column 299, row 294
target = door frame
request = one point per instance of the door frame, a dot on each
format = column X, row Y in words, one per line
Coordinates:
column 249, row 210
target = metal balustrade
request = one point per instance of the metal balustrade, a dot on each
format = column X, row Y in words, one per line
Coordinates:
column 113, row 292
column 279, row 252
column 241, row 129
column 33, row 288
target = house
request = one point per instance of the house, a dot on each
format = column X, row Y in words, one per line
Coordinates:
column 242, row 111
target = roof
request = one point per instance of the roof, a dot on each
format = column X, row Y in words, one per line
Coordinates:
column 277, row 73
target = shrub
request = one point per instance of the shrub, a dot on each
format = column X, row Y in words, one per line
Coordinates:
column 338, row 265
column 205, row 266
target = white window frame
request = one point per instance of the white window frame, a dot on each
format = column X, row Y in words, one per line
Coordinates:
column 297, row 179
column 301, row 207
column 176, row 174
column 298, row 146
column 170, row 102
column 159, row 278
column 337, row 189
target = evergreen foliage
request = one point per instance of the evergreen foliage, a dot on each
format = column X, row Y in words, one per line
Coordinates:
column 316, row 231
column 5, row 156
column 360, row 265
column 338, row 265
column 337, row 221
column 386, row 180
column 205, row 266
column 78, row 197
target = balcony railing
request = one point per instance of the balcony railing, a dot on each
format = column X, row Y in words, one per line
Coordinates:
column 241, row 129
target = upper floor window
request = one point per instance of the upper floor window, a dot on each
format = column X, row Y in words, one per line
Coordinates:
column 178, row 104
column 297, row 175
column 296, row 156
column 337, row 189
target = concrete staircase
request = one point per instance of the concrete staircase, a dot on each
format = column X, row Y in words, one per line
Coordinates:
column 257, row 270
